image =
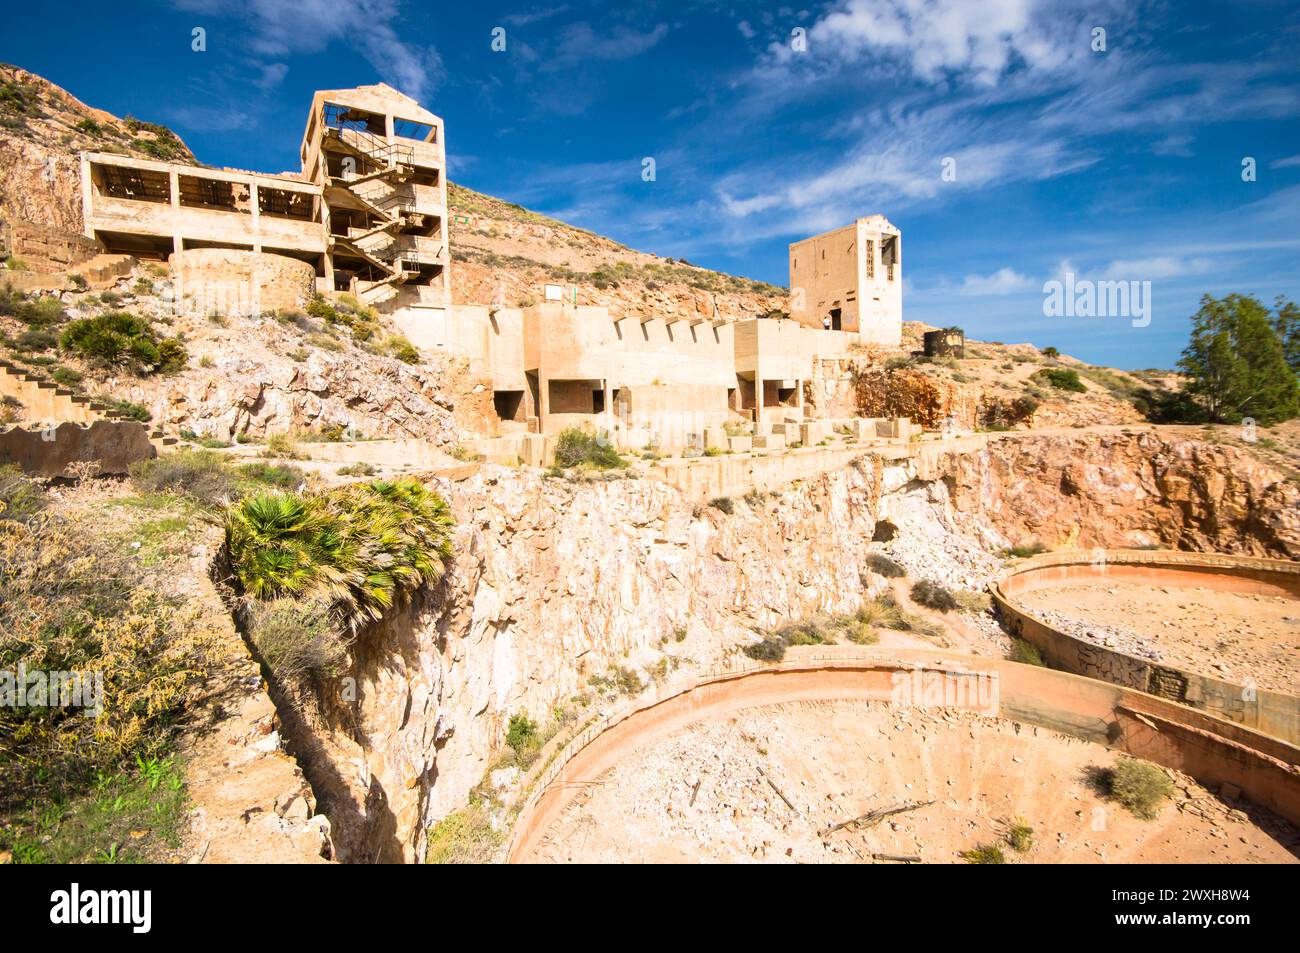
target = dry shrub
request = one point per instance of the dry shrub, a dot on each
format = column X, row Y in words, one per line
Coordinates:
column 72, row 602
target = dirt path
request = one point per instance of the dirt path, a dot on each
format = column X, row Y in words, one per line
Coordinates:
column 718, row 791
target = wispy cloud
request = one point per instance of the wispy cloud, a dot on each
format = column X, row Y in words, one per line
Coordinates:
column 577, row 43
column 277, row 30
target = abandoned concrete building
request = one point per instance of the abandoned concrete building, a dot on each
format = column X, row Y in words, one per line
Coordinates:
column 850, row 279
column 368, row 215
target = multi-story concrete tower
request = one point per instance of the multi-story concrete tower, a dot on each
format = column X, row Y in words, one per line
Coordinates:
column 380, row 162
column 851, row 279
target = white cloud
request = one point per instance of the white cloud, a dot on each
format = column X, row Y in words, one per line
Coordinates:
column 578, row 42
column 1161, row 266
column 1290, row 162
column 981, row 39
column 1004, row 281
column 747, row 31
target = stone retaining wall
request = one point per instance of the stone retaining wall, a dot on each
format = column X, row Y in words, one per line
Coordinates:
column 113, row 444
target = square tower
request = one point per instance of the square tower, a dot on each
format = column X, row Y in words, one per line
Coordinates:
column 851, row 279
column 380, row 160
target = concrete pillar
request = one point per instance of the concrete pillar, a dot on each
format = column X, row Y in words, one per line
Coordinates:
column 608, row 400
column 544, row 402
column 256, row 209
column 174, row 198
column 758, row 399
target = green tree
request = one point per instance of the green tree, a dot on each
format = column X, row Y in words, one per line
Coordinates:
column 1235, row 363
column 1286, row 321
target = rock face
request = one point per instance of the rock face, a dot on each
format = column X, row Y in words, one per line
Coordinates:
column 1118, row 490
column 47, row 128
column 556, row 582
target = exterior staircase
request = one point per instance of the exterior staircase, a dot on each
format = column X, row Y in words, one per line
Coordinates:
column 46, row 402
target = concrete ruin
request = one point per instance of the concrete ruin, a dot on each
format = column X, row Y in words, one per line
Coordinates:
column 367, row 215
column 851, row 279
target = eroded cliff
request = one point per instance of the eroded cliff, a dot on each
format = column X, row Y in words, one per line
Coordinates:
column 558, row 583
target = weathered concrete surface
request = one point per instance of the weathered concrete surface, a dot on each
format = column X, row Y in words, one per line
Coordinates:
column 113, row 444
column 1212, row 751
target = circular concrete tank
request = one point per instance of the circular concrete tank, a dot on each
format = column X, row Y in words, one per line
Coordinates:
column 1037, row 733
column 1211, row 631
column 227, row 281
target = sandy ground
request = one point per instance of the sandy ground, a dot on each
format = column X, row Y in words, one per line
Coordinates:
column 1229, row 635
column 838, row 760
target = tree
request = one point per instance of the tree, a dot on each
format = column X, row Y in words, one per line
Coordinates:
column 1235, row 363
column 1286, row 321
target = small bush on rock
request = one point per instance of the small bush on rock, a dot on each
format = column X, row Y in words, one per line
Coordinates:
column 576, row 448
column 882, row 565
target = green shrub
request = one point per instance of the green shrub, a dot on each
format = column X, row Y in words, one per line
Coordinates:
column 133, row 410
column 933, row 596
column 1025, row 653
column 284, row 476
column 466, row 836
column 1062, row 378
column 399, row 347
column 1140, row 786
column 769, row 649
column 1025, row 551
column 75, row 601
column 985, row 854
column 882, row 565
column 356, row 469
column 522, row 733
column 66, row 376
column 1021, row 837
column 576, row 448
column 362, row 547
column 117, row 338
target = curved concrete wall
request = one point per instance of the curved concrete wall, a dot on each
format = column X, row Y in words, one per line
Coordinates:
column 1211, row 750
column 229, row 281
column 1274, row 713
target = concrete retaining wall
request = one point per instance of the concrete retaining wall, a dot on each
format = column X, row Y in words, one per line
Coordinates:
column 114, row 444
column 1209, row 749
column 1272, row 712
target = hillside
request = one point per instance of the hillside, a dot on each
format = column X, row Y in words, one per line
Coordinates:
column 261, row 376
column 43, row 129
column 502, row 251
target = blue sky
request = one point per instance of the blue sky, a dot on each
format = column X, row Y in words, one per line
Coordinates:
column 1121, row 164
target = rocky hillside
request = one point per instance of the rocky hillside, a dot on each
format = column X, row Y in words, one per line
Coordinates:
column 43, row 129
column 565, row 595
column 504, row 252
